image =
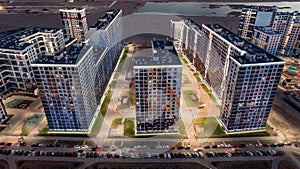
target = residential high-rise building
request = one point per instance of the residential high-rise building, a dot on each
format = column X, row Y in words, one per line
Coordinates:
column 267, row 39
column 157, row 83
column 252, row 16
column 64, row 82
column 3, row 115
column 187, row 35
column 288, row 23
column 106, row 35
column 243, row 76
column 75, row 23
column 71, row 77
column 19, row 50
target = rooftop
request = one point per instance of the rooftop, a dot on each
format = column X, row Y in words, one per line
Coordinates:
column 252, row 54
column 14, row 41
column 295, row 13
column 164, row 53
column 106, row 19
column 71, row 56
column 261, row 8
column 267, row 30
column 192, row 24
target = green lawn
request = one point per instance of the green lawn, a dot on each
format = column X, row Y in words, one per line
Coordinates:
column 132, row 98
column 129, row 127
column 208, row 91
column 189, row 102
column 183, row 59
column 25, row 131
column 45, row 130
column 213, row 129
column 213, row 98
column 105, row 103
column 197, row 78
column 249, row 134
column 123, row 57
column 99, row 120
column 113, row 84
column 205, row 88
column 181, row 128
column 116, row 122
column 116, row 75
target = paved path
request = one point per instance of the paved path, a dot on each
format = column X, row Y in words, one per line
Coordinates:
column 121, row 88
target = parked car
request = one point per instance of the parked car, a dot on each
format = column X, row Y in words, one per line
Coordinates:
column 22, row 144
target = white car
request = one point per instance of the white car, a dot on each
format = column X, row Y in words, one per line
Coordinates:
column 166, row 147
column 259, row 145
column 197, row 149
column 201, row 154
column 77, row 146
column 84, row 146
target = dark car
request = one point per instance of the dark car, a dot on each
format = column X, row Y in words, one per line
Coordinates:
column 180, row 147
column 8, row 144
column 273, row 145
column 214, row 146
column 22, row 144
column 206, row 147
column 280, row 144
column 49, row 145
column 35, row 145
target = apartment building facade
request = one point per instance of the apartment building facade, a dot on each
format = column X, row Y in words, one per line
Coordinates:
column 243, row 76
column 64, row 82
column 3, row 114
column 267, row 39
column 288, row 24
column 106, row 35
column 157, row 83
column 74, row 21
column 19, row 50
column 252, row 16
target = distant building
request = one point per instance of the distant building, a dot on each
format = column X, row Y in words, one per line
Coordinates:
column 3, row 114
column 19, row 50
column 75, row 23
column 267, row 39
column 243, row 76
column 64, row 82
column 289, row 25
column 252, row 16
column 157, row 83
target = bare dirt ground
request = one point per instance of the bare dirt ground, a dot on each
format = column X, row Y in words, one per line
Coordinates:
column 285, row 117
column 169, row 165
column 48, row 165
column 3, row 164
column 287, row 165
column 244, row 165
